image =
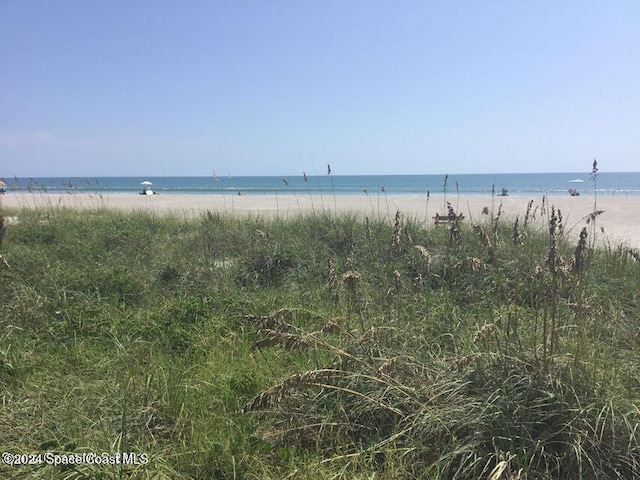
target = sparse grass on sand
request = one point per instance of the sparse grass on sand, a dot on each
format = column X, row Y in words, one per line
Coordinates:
column 320, row 347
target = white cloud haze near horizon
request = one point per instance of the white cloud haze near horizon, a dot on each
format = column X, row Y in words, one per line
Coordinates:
column 276, row 88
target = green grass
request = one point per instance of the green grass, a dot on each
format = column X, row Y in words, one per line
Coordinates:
column 318, row 347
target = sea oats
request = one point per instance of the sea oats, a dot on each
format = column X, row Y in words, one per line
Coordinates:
column 424, row 253
column 367, row 228
column 528, row 214
column 2, row 229
column 553, row 257
column 330, row 327
column 332, row 282
column 486, row 241
column 418, row 281
column 471, row 264
column 397, row 282
column 395, row 237
column 388, row 366
column 462, row 362
column 579, row 255
column 351, row 279
column 454, row 233
column 280, row 319
column 517, row 237
column 407, row 236
column 485, row 332
column 299, row 381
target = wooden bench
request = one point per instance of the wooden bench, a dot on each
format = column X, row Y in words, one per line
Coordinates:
column 446, row 219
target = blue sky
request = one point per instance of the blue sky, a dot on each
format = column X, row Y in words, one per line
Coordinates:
column 252, row 87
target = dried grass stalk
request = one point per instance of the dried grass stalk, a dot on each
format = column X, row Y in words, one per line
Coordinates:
column 279, row 319
column 408, row 238
column 388, row 366
column 274, row 395
column 471, row 264
column 288, row 340
column 424, row 253
column 395, row 237
column 2, row 229
column 330, row 327
column 579, row 255
column 527, row 215
column 517, row 237
column 464, row 361
column 486, row 241
column 332, row 282
column 485, row 332
column 351, row 279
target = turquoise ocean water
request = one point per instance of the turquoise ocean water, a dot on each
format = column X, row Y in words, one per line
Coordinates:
column 608, row 183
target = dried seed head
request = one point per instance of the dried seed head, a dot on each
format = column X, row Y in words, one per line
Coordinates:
column 299, row 381
column 471, row 264
column 454, row 233
column 397, row 282
column 280, row 320
column 395, row 237
column 351, row 279
column 407, row 236
column 579, row 255
column 332, row 282
column 388, row 366
column 527, row 215
column 2, row 228
column 486, row 241
column 330, row 327
column 484, row 332
column 553, row 258
column 417, row 282
column 367, row 228
column 538, row 272
column 451, row 213
column 461, row 362
column 424, row 253
column 517, row 238
column 560, row 224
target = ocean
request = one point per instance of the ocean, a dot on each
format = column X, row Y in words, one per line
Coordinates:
column 608, row 183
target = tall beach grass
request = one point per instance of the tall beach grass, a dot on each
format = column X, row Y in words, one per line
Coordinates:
column 321, row 346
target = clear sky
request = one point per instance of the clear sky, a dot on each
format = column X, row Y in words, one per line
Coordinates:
column 254, row 87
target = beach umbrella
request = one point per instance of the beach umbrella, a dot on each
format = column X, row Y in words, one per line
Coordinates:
column 576, row 180
column 146, row 183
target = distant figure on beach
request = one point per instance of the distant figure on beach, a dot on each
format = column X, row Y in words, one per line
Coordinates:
column 505, row 193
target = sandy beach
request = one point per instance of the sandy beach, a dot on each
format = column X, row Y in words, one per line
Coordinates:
column 619, row 222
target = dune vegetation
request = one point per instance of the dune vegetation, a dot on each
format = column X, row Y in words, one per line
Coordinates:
column 320, row 347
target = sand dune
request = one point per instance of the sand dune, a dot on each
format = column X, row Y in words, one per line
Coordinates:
column 619, row 222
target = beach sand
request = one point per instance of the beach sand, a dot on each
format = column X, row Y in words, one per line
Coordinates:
column 619, row 222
